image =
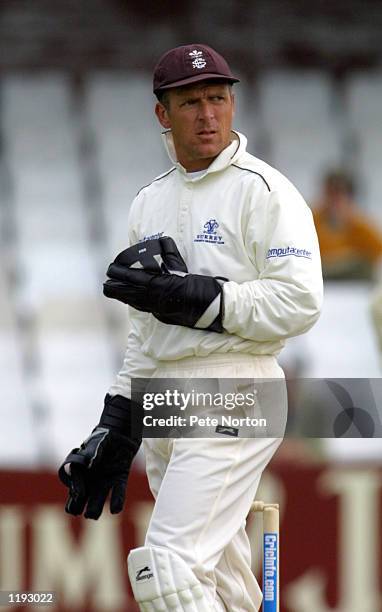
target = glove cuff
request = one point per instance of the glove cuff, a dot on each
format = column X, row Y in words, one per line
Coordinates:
column 73, row 457
column 122, row 415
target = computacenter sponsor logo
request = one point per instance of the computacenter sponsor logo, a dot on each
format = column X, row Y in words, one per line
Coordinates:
column 210, row 234
column 287, row 252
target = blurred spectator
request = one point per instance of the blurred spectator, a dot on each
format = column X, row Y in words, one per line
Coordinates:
column 351, row 245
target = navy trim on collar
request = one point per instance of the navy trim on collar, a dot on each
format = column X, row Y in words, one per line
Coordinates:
column 159, row 178
column 253, row 172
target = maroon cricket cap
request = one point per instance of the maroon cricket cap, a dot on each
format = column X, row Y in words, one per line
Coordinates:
column 190, row 64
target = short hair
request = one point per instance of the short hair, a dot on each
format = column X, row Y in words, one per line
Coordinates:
column 341, row 180
column 164, row 98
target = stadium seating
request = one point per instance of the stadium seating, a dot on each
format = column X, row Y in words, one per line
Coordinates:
column 74, row 163
column 299, row 116
column 128, row 144
column 363, row 95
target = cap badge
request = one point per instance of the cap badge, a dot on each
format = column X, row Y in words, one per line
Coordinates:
column 198, row 59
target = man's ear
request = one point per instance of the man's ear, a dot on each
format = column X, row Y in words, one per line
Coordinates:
column 162, row 114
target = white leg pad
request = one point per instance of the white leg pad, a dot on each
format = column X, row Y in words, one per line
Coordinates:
column 162, row 582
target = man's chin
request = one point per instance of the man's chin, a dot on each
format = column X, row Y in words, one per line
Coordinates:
column 208, row 150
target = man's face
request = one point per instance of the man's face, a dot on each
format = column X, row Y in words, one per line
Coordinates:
column 200, row 118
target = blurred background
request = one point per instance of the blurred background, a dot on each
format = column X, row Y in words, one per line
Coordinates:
column 78, row 139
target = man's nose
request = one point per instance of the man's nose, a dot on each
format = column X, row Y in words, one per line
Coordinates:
column 206, row 110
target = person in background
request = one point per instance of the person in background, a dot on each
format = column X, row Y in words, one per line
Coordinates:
column 350, row 243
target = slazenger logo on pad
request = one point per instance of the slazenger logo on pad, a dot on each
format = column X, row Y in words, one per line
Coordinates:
column 228, row 431
column 144, row 574
column 210, row 234
column 288, row 251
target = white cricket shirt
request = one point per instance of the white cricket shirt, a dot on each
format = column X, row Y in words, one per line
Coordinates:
column 240, row 219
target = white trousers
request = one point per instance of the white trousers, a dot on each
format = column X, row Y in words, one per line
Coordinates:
column 204, row 488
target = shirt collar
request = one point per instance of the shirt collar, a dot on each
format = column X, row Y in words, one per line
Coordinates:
column 236, row 147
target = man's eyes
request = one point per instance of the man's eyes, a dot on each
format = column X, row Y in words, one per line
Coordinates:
column 188, row 102
column 192, row 102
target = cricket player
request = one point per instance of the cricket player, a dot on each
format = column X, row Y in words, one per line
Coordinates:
column 240, row 273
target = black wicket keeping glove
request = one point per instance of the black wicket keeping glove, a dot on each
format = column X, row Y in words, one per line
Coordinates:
column 102, row 463
column 172, row 296
column 158, row 255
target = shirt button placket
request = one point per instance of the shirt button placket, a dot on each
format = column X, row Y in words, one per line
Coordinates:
column 184, row 205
